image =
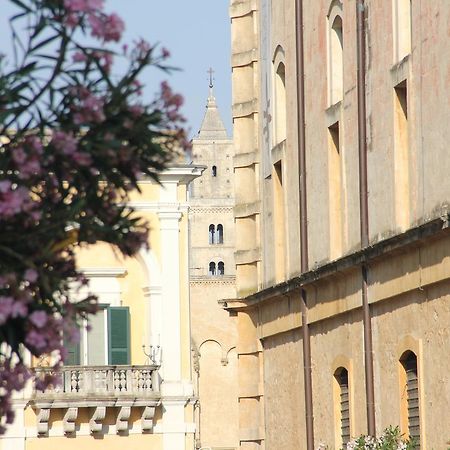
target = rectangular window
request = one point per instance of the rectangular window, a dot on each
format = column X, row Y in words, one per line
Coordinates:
column 279, row 222
column 401, row 155
column 335, row 190
column 106, row 343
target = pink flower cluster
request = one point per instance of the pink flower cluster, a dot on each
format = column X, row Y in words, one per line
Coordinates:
column 13, row 376
column 15, row 200
column 107, row 27
column 87, row 107
column 171, row 103
column 27, row 157
column 83, row 6
column 67, row 144
column 11, row 309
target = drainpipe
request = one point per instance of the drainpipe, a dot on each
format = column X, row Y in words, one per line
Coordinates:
column 364, row 215
column 303, row 222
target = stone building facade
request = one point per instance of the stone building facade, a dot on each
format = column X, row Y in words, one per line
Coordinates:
column 212, row 278
column 340, row 113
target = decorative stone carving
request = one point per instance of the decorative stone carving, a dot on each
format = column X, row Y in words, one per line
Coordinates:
column 122, row 418
column 147, row 418
column 95, row 424
column 42, row 420
column 69, row 420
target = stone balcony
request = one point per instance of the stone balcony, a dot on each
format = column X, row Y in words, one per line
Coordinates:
column 98, row 388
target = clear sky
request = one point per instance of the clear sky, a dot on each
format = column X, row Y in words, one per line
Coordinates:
column 197, row 33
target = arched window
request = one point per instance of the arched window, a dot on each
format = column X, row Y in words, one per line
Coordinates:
column 343, row 406
column 212, row 269
column 220, row 234
column 221, row 268
column 214, row 171
column 212, row 232
column 280, row 103
column 335, row 53
column 410, row 395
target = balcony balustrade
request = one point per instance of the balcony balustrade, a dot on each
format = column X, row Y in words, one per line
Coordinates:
column 96, row 388
column 100, row 383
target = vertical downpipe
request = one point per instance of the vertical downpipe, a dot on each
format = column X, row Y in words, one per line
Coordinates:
column 364, row 214
column 303, row 222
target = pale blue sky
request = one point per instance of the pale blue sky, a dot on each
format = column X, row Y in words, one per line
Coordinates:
column 197, row 33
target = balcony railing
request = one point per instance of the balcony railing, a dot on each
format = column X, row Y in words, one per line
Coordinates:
column 101, row 382
column 98, row 388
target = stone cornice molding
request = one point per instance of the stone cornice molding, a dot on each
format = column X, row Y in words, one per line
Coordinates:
column 92, row 272
column 156, row 207
column 212, row 280
column 180, row 174
column 210, row 209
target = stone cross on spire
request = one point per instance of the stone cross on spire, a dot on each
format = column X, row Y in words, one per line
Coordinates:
column 211, row 79
column 212, row 126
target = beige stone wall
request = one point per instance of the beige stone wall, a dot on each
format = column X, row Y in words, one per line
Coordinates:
column 407, row 114
column 415, row 321
column 283, row 391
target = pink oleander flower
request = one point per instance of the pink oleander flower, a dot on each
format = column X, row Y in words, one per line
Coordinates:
column 12, row 202
column 64, row 142
column 106, row 27
column 30, row 275
column 34, row 144
column 90, row 108
column 19, row 156
column 136, row 110
column 6, row 306
column 79, row 57
column 19, row 309
column 38, row 318
column 165, row 53
column 81, row 158
column 83, row 6
column 31, row 166
column 36, row 340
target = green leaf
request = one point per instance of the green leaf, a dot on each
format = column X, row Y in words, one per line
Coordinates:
column 44, row 42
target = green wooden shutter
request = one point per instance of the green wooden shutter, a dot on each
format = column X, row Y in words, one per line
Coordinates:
column 119, row 335
column 73, row 353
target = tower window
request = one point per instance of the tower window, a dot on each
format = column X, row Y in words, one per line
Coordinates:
column 410, row 395
column 212, row 269
column 341, row 377
column 221, row 268
column 335, row 53
column 220, row 234
column 280, row 103
column 212, row 232
column 214, row 171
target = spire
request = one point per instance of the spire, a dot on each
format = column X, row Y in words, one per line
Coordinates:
column 212, row 126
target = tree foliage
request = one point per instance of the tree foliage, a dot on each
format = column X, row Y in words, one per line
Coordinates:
column 75, row 140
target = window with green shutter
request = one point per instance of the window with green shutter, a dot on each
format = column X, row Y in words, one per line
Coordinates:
column 411, row 388
column 119, row 335
column 73, row 353
column 341, row 377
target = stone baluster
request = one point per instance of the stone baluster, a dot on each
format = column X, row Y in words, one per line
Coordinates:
column 110, row 381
